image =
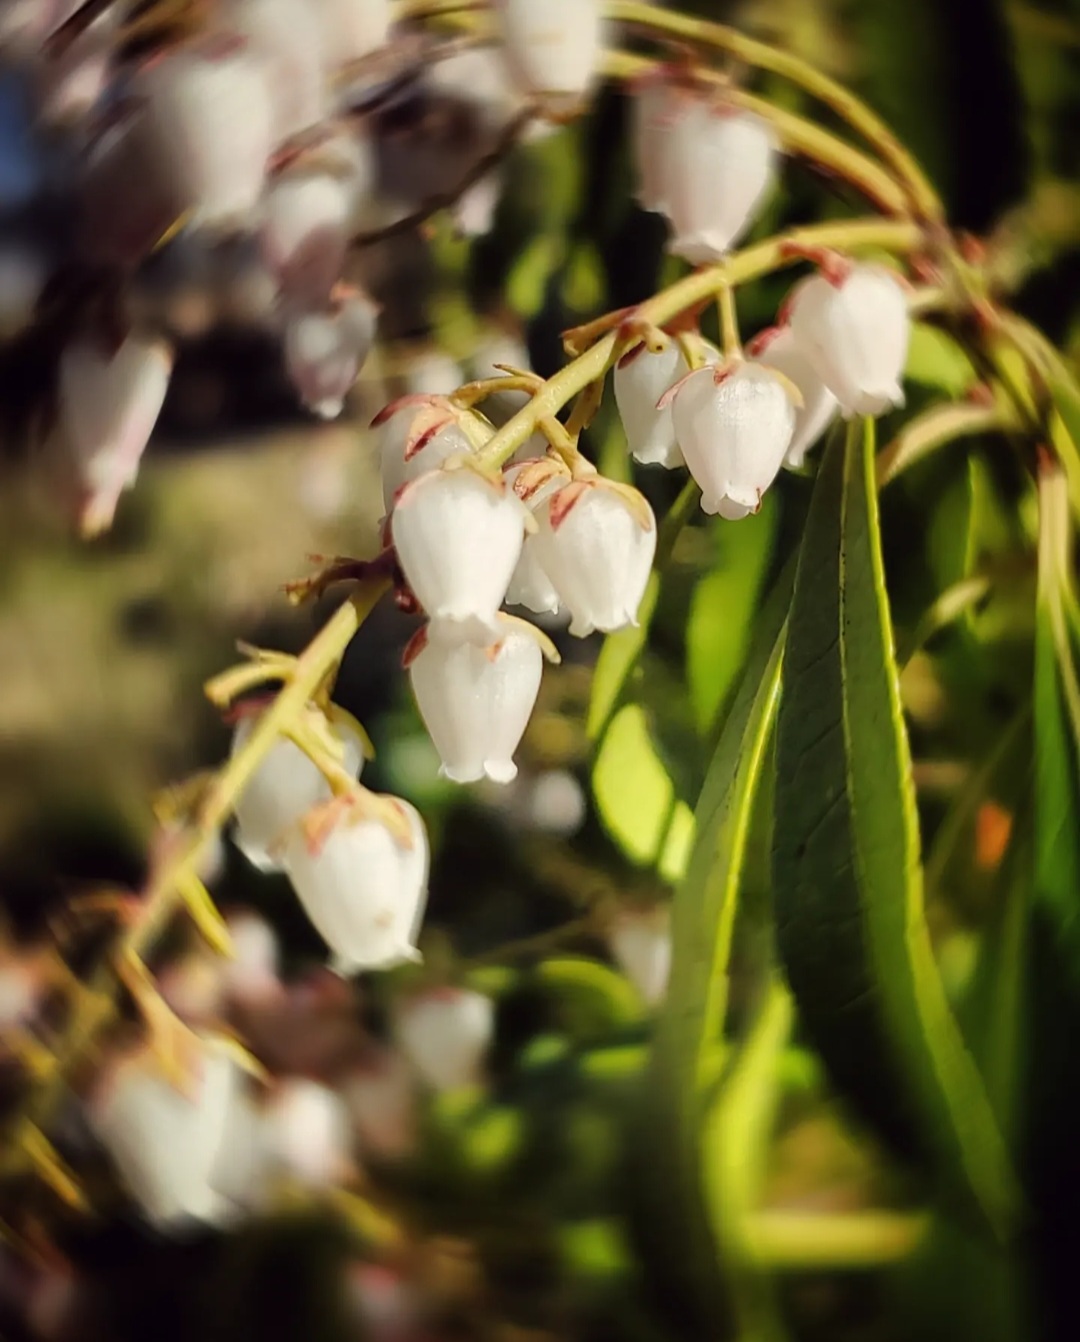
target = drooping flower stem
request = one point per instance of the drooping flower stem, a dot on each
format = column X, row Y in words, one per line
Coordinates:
column 761, row 259
column 845, row 104
column 799, row 136
column 179, row 861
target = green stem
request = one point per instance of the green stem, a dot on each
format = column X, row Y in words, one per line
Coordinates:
column 164, row 892
column 762, row 259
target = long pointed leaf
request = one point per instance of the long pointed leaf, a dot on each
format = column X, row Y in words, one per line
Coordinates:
column 848, row 880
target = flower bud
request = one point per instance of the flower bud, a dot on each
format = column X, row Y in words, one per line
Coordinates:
column 324, row 351
column 305, row 233
column 553, row 49
column 641, row 378
column 720, row 163
column 179, row 1152
column 364, row 886
column 734, row 428
column 596, row 542
column 109, row 404
column 640, row 941
column 458, row 536
column 284, row 787
column 419, row 433
column 209, row 110
column 305, row 1134
column 445, row 1034
column 286, row 37
column 854, row 330
column 779, row 349
column 475, row 701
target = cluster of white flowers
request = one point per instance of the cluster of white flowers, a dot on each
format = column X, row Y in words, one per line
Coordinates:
column 841, row 346
column 241, row 130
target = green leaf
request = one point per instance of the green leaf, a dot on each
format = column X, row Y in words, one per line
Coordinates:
column 736, row 1142
column 617, row 660
column 935, row 359
column 591, row 999
column 722, row 609
column 851, row 922
column 1057, row 721
column 689, row 1039
column 636, row 797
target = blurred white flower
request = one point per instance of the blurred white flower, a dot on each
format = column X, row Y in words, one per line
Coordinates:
column 284, row 787
column 324, row 351
column 551, row 48
column 640, row 941
column 640, row 380
column 779, row 349
column 445, row 1033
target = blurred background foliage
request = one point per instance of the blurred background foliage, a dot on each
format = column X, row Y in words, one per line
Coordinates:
column 523, row 1212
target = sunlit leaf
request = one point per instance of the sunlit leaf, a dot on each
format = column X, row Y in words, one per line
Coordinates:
column 851, row 923
column 722, row 609
column 935, row 359
column 636, row 797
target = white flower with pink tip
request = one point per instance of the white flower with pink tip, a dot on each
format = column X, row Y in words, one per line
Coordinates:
column 720, row 164
column 641, row 378
column 361, row 874
column 476, row 702
column 458, row 536
column 853, row 326
column 552, row 48
column 596, row 542
column 418, row 433
column 779, row 348
column 734, row 424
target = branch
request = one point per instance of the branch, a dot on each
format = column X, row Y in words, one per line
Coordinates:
column 164, row 892
column 508, row 138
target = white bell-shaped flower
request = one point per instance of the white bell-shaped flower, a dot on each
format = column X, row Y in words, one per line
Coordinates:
column 854, row 329
column 734, row 428
column 284, row 787
column 177, row 1149
column 779, row 349
column 719, row 165
column 596, row 542
column 641, row 378
column 109, row 404
column 553, row 48
column 474, row 210
column 418, row 433
column 287, row 37
column 324, row 351
column 445, row 1034
column 305, row 233
column 364, row 885
column 476, row 702
column 654, row 108
column 209, row 108
column 306, row 1134
column 352, row 28
column 458, row 537
column 640, row 941
column 530, row 585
